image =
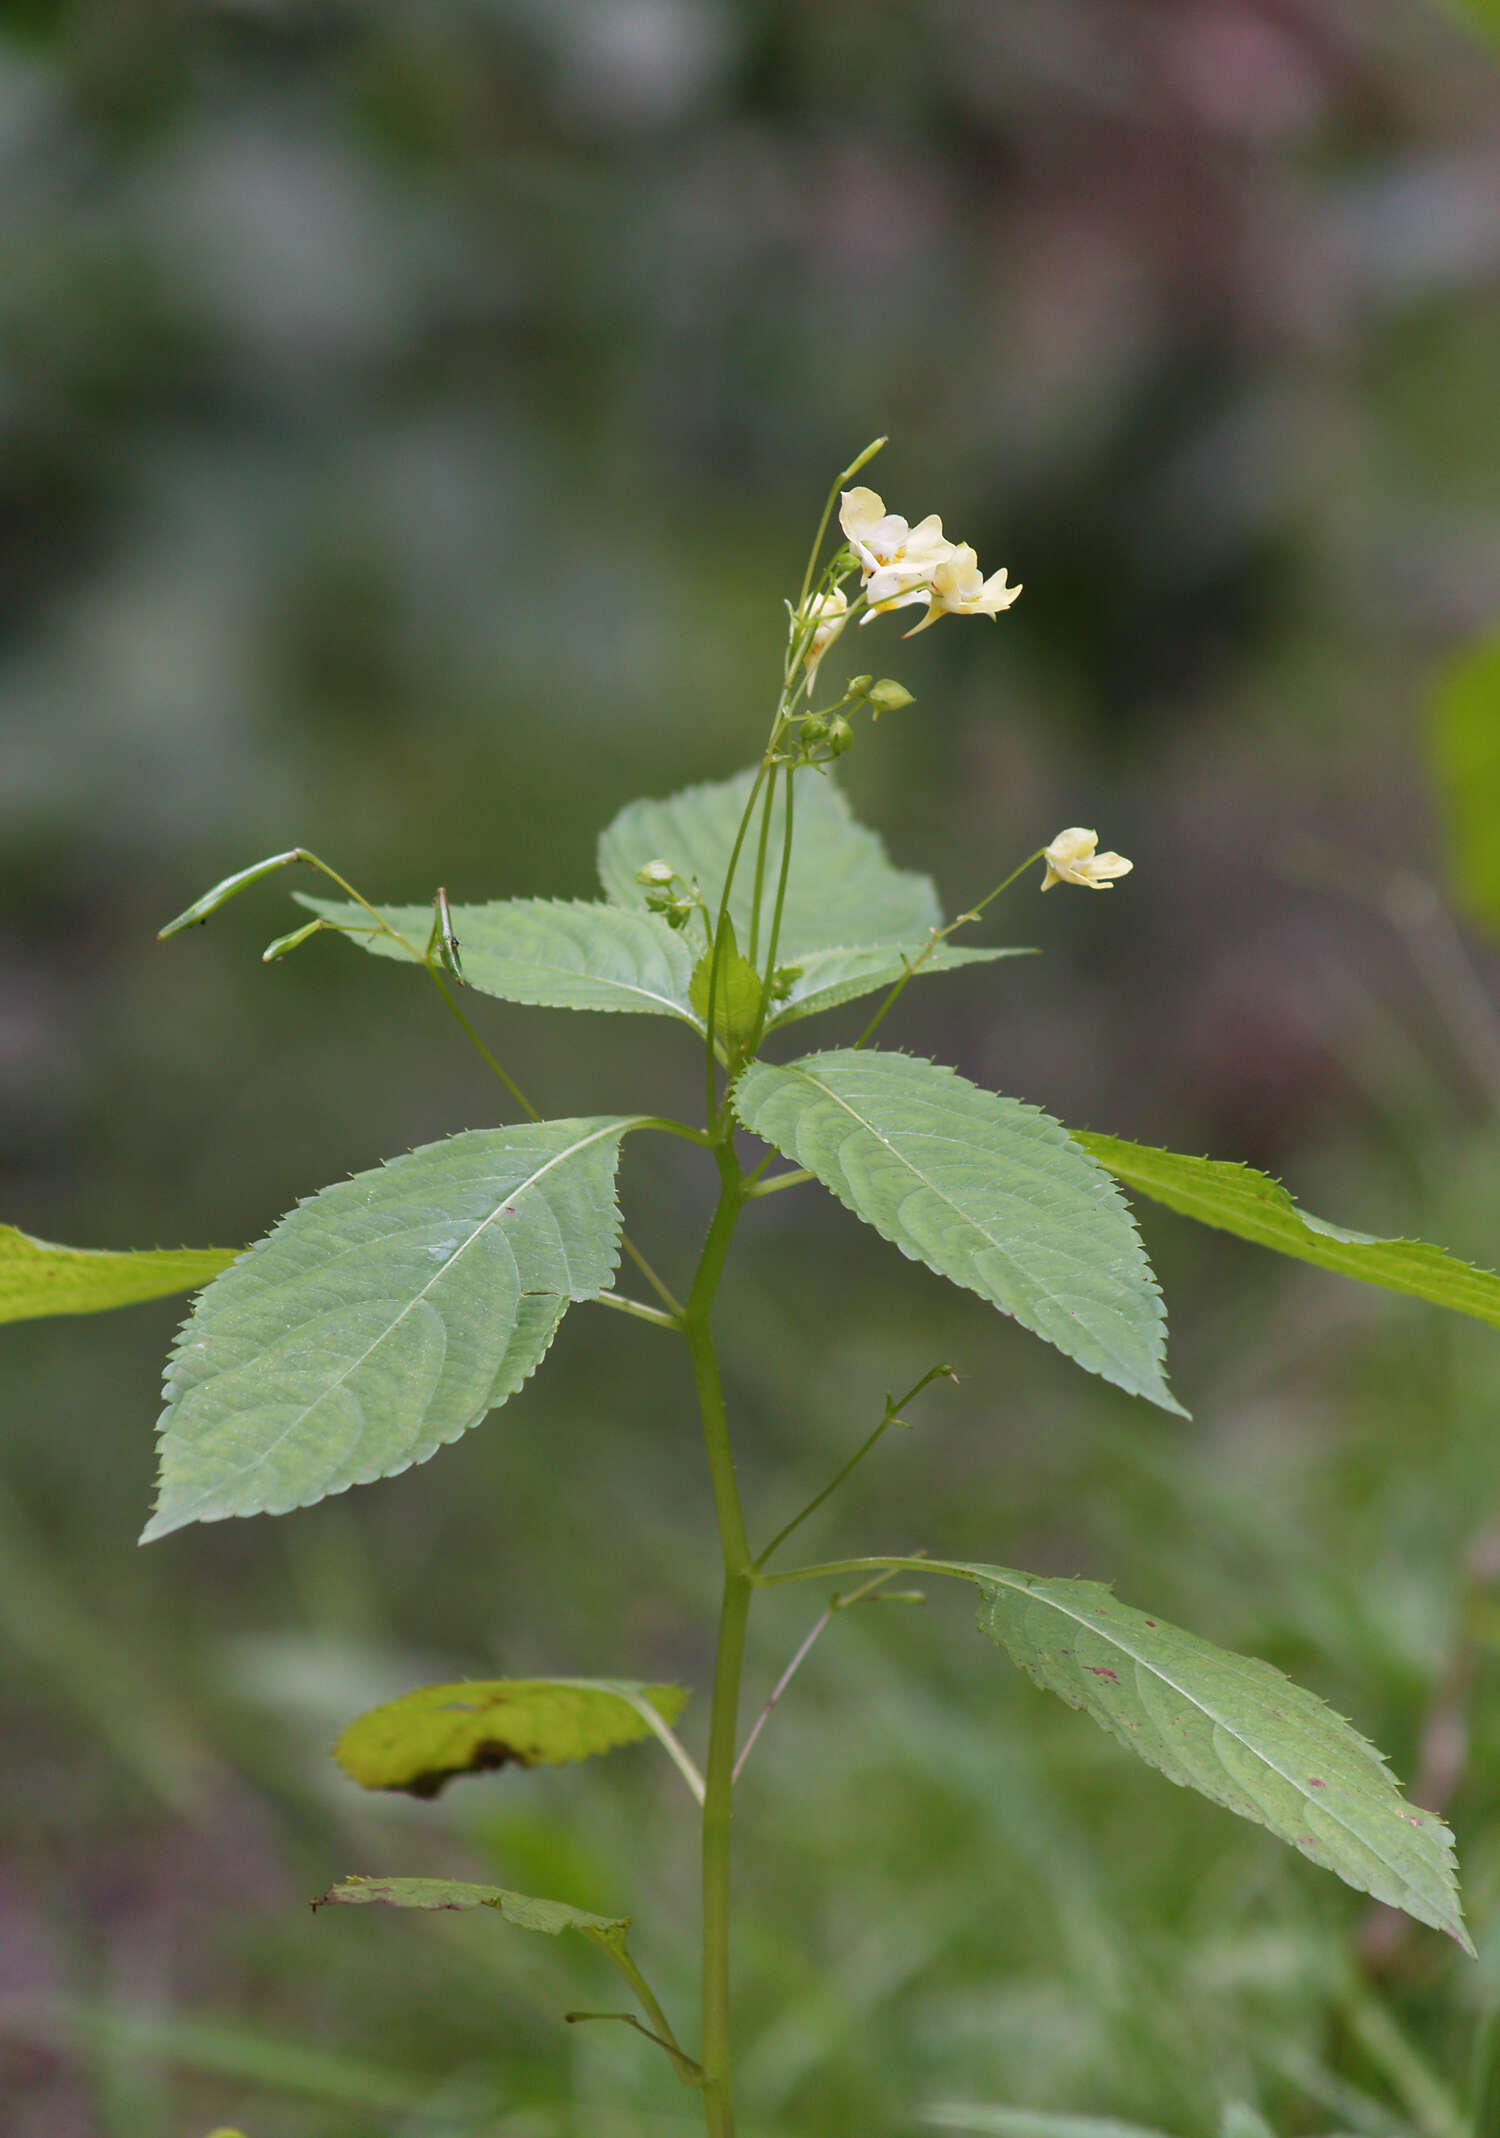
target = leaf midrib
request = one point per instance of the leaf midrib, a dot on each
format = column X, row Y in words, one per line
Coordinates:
column 1125, row 1365
column 996, row 1578
column 221, row 1484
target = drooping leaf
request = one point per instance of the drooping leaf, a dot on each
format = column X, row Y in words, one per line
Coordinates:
column 1235, row 1198
column 424, row 1739
column 826, row 978
column 383, row 1317
column 37, row 1277
column 561, row 954
column 987, row 1191
column 736, row 995
column 841, row 889
column 1466, row 766
column 551, row 1917
column 1233, row 1728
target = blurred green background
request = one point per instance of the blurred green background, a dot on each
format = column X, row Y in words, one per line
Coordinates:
column 411, row 417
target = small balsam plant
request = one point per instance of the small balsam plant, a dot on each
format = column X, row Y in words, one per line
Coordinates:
column 388, row 1314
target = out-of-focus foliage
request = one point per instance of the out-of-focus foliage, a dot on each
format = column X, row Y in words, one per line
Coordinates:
column 1466, row 750
column 411, row 418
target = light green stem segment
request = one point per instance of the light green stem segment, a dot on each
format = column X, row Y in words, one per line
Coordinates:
column 739, row 1582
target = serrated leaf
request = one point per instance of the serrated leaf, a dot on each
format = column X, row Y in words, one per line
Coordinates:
column 37, row 1277
column 561, row 954
column 841, row 889
column 1233, row 1728
column 841, row 974
column 736, row 1006
column 1235, row 1198
column 421, row 1741
column 990, row 1193
column 1466, row 768
column 383, row 1317
column 551, row 1917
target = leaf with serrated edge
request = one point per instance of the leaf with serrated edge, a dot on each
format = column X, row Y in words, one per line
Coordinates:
column 989, row 1192
column 560, row 954
column 1231, row 1727
column 383, row 1317
column 37, row 1277
column 1235, row 1198
column 421, row 1741
column 841, row 888
column 551, row 1917
column 844, row 973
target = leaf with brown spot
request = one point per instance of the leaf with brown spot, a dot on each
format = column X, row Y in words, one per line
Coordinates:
column 421, row 1741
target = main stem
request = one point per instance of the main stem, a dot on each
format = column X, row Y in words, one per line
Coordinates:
column 734, row 1613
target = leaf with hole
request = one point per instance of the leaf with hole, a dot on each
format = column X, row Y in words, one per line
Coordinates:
column 1235, row 1198
column 421, row 1741
column 842, row 889
column 990, row 1193
column 37, row 1277
column 383, row 1317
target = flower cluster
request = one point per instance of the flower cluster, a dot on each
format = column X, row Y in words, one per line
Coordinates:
column 902, row 565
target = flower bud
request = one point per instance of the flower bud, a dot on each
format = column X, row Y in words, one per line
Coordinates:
column 858, row 686
column 888, row 697
column 813, row 730
column 839, row 736
column 656, row 873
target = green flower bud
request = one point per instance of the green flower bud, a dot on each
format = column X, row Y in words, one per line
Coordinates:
column 840, row 735
column 888, row 697
column 857, row 686
column 813, row 730
column 656, row 872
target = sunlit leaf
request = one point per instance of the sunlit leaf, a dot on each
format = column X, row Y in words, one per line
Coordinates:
column 1233, row 1728
column 38, row 1277
column 841, row 890
column 562, row 954
column 551, row 1917
column 987, row 2122
column 425, row 1738
column 383, row 1317
column 985, row 1190
column 1235, row 1198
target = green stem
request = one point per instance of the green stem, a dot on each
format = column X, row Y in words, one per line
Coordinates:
column 508, row 1081
column 760, row 862
column 780, row 908
column 734, row 1616
column 894, row 1405
column 838, row 483
column 940, row 935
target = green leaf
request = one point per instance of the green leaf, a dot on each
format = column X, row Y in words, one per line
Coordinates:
column 1480, row 15
column 551, row 1917
column 841, row 888
column 1232, row 1728
column 1235, row 1198
column 736, row 997
column 827, row 978
column 990, row 1193
column 561, row 954
column 1466, row 766
column 986, row 2122
column 421, row 1741
column 37, row 1277
column 383, row 1317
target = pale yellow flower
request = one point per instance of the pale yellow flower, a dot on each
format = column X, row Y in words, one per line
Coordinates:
column 1071, row 859
column 959, row 588
column 829, row 613
column 897, row 561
